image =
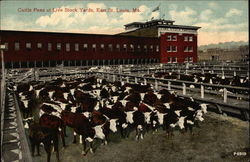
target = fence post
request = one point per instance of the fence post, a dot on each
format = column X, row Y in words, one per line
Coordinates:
column 136, row 80
column 186, row 67
column 109, row 77
column 202, row 91
column 156, row 85
column 145, row 81
column 225, row 95
column 103, row 76
column 113, row 77
column 179, row 73
column 127, row 79
column 234, row 73
column 184, row 89
column 169, row 85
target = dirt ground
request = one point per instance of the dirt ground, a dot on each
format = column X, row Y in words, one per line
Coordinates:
column 217, row 139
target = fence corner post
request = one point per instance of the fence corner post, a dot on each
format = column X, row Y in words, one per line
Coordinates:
column 225, row 95
column 169, row 85
column 202, row 91
column 156, row 84
column 184, row 92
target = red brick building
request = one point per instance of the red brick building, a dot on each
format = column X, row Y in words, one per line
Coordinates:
column 149, row 42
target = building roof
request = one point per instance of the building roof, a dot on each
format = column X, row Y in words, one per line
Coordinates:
column 161, row 23
column 149, row 22
column 179, row 26
column 64, row 33
column 134, row 23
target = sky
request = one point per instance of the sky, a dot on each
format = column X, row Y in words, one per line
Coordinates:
column 220, row 21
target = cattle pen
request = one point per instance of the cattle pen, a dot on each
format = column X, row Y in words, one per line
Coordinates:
column 224, row 131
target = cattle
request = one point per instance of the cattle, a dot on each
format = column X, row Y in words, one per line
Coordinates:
column 150, row 98
column 98, row 118
column 24, row 87
column 94, row 107
column 150, row 117
column 120, row 115
column 138, row 118
column 82, row 126
column 169, row 121
column 39, row 134
column 54, row 123
column 27, row 106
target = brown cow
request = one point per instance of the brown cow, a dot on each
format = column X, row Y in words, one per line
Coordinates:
column 39, row 134
column 53, row 122
column 82, row 126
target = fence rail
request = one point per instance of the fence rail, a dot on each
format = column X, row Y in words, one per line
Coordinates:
column 202, row 91
column 2, row 108
column 26, row 152
column 242, row 106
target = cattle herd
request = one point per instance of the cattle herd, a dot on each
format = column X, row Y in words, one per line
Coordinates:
column 93, row 108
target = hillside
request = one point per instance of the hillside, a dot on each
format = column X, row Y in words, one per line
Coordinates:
column 225, row 45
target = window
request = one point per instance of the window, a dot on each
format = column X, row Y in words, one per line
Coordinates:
column 186, row 49
column 39, row 45
column 190, row 49
column 169, row 49
column 6, row 46
column 58, row 46
column 49, row 46
column 169, row 59
column 76, row 47
column 151, row 48
column 94, row 47
column 17, row 46
column 124, row 47
column 118, row 47
column 174, row 38
column 157, row 48
column 190, row 39
column 169, row 37
column 110, row 46
column 132, row 48
column 145, row 48
column 139, row 48
column 186, row 38
column 67, row 47
column 174, row 48
column 102, row 47
column 174, row 59
column 28, row 45
column 85, row 46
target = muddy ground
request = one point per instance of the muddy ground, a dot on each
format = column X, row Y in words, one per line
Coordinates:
column 217, row 139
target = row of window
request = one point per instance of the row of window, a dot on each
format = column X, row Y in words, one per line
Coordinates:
column 85, row 46
column 188, row 59
column 174, row 59
column 174, row 38
column 174, row 49
column 188, row 49
column 188, row 38
column 171, row 37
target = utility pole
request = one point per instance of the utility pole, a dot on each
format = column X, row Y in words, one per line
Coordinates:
column 2, row 47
